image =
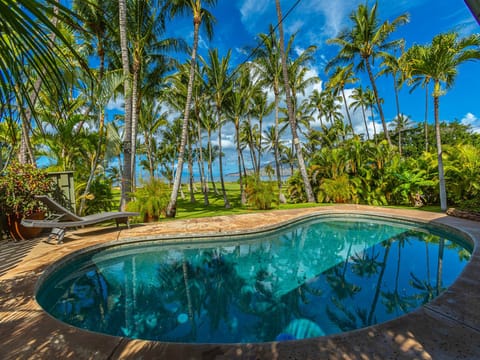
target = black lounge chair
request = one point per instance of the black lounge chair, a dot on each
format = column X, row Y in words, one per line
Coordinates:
column 61, row 218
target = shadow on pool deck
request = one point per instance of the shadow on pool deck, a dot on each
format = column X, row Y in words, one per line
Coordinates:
column 446, row 328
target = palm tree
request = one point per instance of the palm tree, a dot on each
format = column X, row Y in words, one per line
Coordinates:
column 32, row 42
column 291, row 114
column 317, row 99
column 340, row 77
column 268, row 67
column 360, row 101
column 401, row 124
column 150, row 120
column 150, row 61
column 365, row 40
column 238, row 107
column 439, row 61
column 391, row 65
column 200, row 16
column 220, row 85
column 260, row 109
column 371, row 101
column 418, row 80
column 127, row 141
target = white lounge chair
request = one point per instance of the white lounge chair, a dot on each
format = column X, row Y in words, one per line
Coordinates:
column 61, row 218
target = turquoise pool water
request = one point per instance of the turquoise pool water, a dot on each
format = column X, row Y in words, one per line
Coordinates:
column 315, row 277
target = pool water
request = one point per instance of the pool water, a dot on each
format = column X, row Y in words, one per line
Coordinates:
column 322, row 276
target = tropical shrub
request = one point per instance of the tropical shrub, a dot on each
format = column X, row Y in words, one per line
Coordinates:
column 150, row 199
column 100, row 196
column 338, row 190
column 260, row 194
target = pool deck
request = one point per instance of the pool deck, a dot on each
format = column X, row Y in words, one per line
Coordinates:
column 446, row 328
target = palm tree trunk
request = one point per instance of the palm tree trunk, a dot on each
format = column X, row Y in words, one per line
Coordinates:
column 426, row 117
column 379, row 105
column 291, row 116
column 348, row 111
column 210, row 160
column 281, row 196
column 135, row 114
column 203, row 180
column 373, row 123
column 243, row 196
column 365, row 121
column 172, row 205
column 190, row 170
column 220, row 158
column 441, row 174
column 127, row 141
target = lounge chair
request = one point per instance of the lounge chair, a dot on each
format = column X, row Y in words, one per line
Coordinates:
column 61, row 218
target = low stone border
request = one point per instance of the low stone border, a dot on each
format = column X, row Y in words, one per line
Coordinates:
column 464, row 214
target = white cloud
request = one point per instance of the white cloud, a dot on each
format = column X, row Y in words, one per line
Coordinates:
column 116, row 104
column 252, row 9
column 471, row 120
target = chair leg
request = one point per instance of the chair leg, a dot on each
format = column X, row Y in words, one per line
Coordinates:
column 58, row 233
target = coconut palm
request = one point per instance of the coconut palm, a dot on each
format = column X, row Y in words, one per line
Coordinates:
column 401, row 124
column 220, row 86
column 317, row 99
column 391, row 66
column 291, row 114
column 365, row 40
column 260, row 108
column 360, row 101
column 127, row 141
column 201, row 16
column 371, row 102
column 439, row 61
column 340, row 77
column 268, row 67
column 418, row 80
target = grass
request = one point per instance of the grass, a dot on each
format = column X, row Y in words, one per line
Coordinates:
column 191, row 210
column 216, row 207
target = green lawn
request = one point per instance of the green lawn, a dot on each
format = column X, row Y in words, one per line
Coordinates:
column 188, row 210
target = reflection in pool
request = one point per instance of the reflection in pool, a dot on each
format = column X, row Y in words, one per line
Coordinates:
column 322, row 276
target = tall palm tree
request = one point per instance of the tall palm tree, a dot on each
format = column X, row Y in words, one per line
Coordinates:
column 238, row 107
column 418, row 80
column 260, row 109
column 360, row 101
column 220, row 85
column 317, row 99
column 201, row 16
column 365, row 40
column 291, row 114
column 340, row 77
column 150, row 60
column 371, row 101
column 439, row 61
column 127, row 141
column 268, row 67
column 391, row 65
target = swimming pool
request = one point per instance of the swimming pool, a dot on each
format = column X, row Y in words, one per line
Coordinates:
column 319, row 276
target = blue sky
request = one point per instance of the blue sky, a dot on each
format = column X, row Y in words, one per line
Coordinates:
column 315, row 21
column 240, row 21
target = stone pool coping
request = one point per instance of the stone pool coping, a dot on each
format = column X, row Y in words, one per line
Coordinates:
column 446, row 328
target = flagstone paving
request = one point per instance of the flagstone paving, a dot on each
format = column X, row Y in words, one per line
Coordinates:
column 446, row 328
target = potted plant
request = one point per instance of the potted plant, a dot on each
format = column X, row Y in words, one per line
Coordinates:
column 19, row 183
